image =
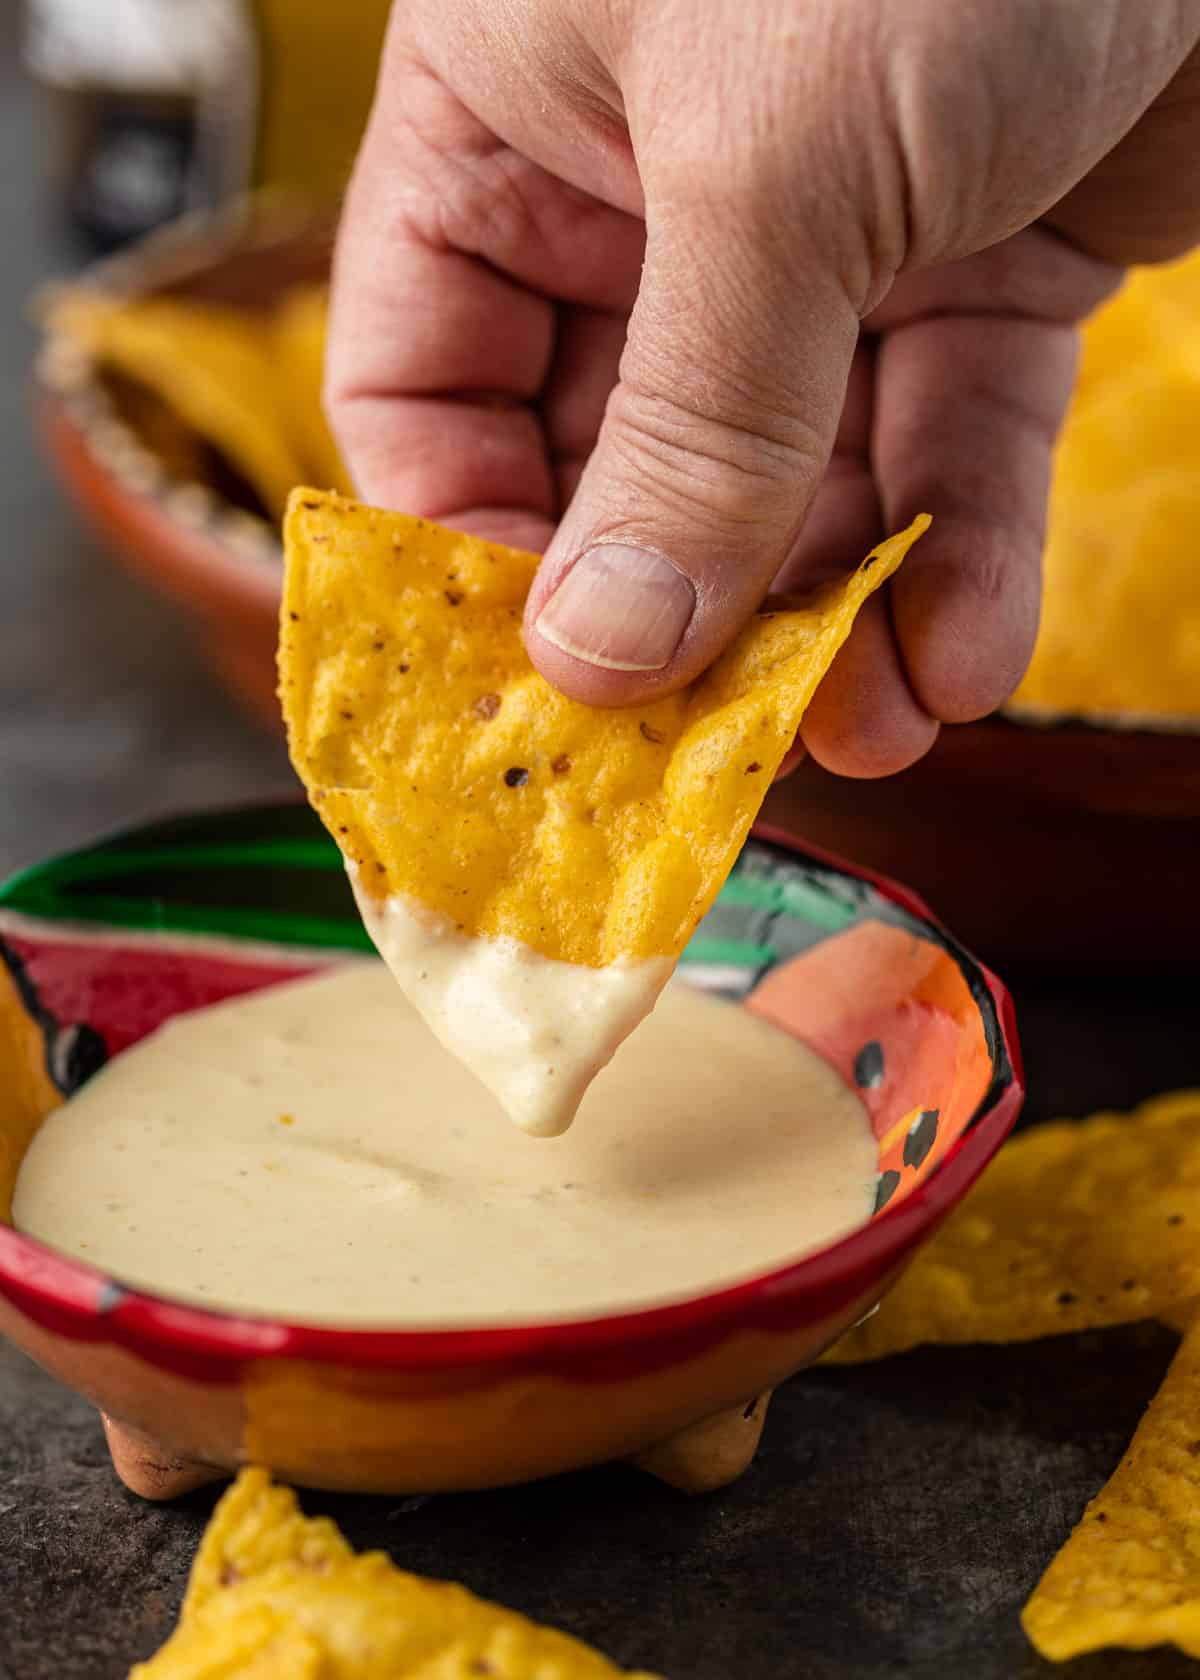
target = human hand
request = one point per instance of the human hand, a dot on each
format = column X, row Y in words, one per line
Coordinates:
column 704, row 300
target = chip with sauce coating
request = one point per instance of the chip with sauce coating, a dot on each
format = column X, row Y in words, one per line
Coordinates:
column 1075, row 1226
column 494, row 827
column 281, row 1596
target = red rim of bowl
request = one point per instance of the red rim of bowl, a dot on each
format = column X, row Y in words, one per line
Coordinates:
column 70, row 1298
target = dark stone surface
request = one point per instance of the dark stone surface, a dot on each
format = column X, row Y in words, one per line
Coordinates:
column 892, row 1525
column 896, row 1516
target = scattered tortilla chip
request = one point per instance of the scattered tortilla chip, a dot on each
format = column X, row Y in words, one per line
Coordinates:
column 1074, row 1226
column 1130, row 1573
column 449, row 771
column 300, row 330
column 255, row 1527
column 277, row 1595
column 215, row 367
column 256, row 1644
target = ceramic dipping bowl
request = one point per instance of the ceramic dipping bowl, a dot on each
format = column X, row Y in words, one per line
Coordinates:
column 99, row 947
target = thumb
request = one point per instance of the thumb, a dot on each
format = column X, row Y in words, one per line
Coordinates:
column 713, row 445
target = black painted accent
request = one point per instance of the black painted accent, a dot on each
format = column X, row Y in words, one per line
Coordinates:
column 920, row 1138
column 868, row 1066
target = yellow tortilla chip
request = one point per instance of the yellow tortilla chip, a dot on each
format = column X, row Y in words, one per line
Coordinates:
column 1130, row 1573
column 280, row 1596
column 255, row 1644
column 215, row 367
column 1180, row 1318
column 1075, row 1226
column 256, row 1526
column 450, row 771
column 1120, row 628
column 300, row 331
column 1154, row 317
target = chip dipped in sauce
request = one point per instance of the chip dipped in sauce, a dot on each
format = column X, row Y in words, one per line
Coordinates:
column 530, row 867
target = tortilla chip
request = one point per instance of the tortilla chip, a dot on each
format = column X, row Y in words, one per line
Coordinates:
column 1153, row 318
column 1075, row 1226
column 300, row 331
column 1181, row 1318
column 256, row 1644
column 281, row 1596
column 449, row 771
column 214, row 367
column 1125, row 513
column 1130, row 1573
column 256, row 1526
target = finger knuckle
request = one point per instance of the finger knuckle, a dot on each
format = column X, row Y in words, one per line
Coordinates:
column 689, row 451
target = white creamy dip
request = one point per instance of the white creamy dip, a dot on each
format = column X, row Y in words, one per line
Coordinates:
column 535, row 1031
column 311, row 1151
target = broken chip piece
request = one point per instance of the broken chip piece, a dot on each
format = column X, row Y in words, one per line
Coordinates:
column 530, row 867
column 1075, row 1226
column 276, row 1595
column 1130, row 1573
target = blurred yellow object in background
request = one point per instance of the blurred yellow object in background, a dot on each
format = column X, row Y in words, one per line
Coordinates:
column 210, row 366
column 1120, row 633
column 300, row 328
column 318, row 65
column 227, row 398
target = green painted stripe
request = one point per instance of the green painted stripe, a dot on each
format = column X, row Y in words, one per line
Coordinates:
column 732, row 953
column 318, row 854
column 808, row 900
column 752, row 891
column 283, row 927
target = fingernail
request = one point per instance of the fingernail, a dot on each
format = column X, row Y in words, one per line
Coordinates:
column 620, row 608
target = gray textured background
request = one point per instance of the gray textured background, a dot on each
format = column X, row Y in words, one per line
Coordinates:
column 896, row 1516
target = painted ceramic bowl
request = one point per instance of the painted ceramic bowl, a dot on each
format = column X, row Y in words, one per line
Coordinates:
column 99, row 947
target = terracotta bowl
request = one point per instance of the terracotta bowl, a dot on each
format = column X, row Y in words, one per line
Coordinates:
column 215, row 557
column 98, row 948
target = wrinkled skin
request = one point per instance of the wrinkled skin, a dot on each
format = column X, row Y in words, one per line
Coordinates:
column 745, row 285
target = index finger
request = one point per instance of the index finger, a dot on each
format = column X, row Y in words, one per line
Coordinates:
column 443, row 323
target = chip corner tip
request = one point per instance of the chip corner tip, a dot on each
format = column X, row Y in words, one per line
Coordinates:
column 895, row 548
column 301, row 495
column 306, row 499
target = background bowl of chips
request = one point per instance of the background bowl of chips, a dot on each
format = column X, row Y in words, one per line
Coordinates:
column 99, row 947
column 177, row 396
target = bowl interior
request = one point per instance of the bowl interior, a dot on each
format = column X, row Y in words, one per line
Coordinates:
column 99, row 947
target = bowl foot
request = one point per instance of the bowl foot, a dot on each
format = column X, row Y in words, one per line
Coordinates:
column 709, row 1454
column 699, row 1459
column 149, row 1469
